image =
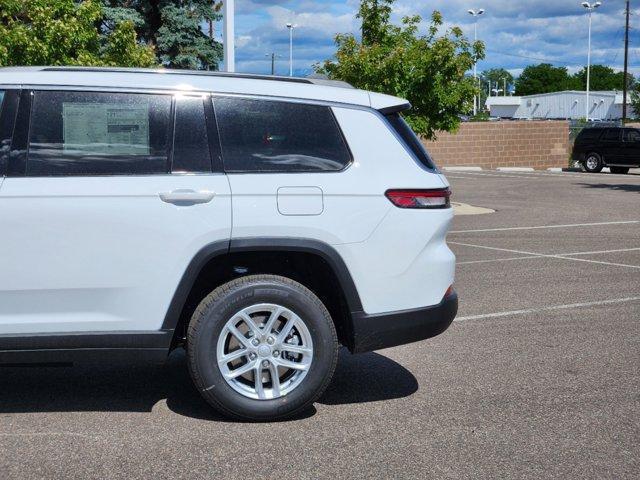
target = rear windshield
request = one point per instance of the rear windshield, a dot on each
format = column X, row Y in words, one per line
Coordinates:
column 410, row 139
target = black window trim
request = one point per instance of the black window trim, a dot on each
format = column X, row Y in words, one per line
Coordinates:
column 11, row 94
column 20, row 140
column 296, row 101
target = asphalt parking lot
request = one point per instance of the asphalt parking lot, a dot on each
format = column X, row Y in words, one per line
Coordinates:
column 539, row 377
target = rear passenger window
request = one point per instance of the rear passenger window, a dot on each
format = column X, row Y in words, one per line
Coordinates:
column 611, row 135
column 90, row 133
column 190, row 141
column 272, row 136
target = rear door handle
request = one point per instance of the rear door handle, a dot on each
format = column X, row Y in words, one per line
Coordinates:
column 186, row 197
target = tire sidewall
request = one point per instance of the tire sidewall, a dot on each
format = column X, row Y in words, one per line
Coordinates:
column 216, row 315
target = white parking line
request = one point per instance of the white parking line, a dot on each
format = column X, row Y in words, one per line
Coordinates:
column 491, row 260
column 547, row 309
column 539, row 227
column 543, row 255
column 600, row 251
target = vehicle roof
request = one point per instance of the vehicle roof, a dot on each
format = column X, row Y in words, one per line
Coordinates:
column 190, row 80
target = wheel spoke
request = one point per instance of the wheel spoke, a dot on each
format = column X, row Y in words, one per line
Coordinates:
column 272, row 320
column 239, row 336
column 230, row 357
column 259, row 386
column 247, row 367
column 251, row 324
column 287, row 347
column 275, row 380
column 293, row 365
column 287, row 328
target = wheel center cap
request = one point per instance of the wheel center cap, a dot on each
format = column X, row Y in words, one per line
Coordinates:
column 264, row 351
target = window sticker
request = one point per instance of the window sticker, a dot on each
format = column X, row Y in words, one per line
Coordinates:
column 107, row 129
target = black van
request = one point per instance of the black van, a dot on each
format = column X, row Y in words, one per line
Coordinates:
column 614, row 147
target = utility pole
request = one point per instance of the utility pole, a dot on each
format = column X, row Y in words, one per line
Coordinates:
column 273, row 61
column 625, row 81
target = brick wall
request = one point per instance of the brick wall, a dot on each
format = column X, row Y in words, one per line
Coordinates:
column 537, row 144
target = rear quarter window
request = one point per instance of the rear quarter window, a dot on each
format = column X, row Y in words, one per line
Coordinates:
column 274, row 136
column 410, row 139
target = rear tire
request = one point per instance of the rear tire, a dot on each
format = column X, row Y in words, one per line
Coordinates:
column 621, row 170
column 593, row 163
column 258, row 322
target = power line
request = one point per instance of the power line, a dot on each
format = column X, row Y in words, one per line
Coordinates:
column 547, row 60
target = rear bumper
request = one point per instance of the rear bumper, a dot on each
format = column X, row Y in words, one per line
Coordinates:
column 374, row 332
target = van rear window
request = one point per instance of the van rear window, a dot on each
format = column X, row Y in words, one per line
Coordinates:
column 410, row 139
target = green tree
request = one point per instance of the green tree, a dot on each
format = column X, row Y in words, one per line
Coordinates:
column 428, row 70
column 544, row 78
column 634, row 100
column 173, row 27
column 497, row 76
column 63, row 32
column 602, row 78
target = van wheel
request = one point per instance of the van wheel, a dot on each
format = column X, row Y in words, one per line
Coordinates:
column 622, row 170
column 593, row 163
column 261, row 347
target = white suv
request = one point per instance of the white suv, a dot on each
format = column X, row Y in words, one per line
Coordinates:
column 259, row 222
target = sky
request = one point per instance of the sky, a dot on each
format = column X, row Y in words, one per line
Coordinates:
column 516, row 33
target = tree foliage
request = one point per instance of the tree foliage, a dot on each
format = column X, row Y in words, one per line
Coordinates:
column 602, row 78
column 497, row 76
column 63, row 32
column 173, row 27
column 428, row 70
column 544, row 78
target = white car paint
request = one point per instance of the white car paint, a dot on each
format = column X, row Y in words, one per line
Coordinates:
column 100, row 253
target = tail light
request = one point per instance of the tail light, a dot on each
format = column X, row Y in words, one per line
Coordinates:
column 431, row 198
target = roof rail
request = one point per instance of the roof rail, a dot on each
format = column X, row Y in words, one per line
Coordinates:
column 249, row 76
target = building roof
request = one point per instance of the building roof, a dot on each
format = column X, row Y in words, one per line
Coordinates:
column 511, row 101
column 189, row 80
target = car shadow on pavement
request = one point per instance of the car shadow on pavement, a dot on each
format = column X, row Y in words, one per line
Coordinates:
column 124, row 388
column 618, row 187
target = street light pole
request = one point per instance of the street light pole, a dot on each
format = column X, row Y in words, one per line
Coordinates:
column 229, row 36
column 590, row 8
column 476, row 14
column 290, row 26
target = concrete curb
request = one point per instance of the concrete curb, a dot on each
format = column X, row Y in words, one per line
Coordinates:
column 462, row 169
column 555, row 169
column 515, row 169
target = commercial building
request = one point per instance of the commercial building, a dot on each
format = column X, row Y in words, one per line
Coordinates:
column 570, row 104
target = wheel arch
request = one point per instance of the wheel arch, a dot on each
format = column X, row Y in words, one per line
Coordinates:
column 224, row 255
